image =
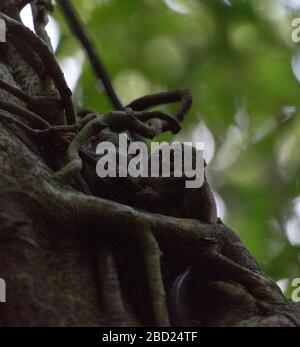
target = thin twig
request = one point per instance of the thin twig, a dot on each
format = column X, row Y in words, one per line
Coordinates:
column 184, row 96
column 119, row 121
column 40, row 10
column 77, row 28
column 17, row 92
column 33, row 119
column 44, row 128
column 36, row 132
column 37, row 104
column 170, row 121
column 21, row 125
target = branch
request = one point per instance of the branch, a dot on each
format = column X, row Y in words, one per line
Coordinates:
column 40, row 10
column 43, row 127
column 77, row 28
column 184, row 96
column 32, row 118
column 17, row 92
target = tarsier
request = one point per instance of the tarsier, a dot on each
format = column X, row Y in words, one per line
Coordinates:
column 164, row 195
column 169, row 196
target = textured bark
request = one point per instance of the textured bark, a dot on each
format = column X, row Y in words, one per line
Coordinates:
column 49, row 259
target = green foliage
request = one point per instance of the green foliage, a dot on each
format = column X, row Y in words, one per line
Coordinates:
column 236, row 56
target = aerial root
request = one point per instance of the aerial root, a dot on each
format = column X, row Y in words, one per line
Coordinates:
column 109, row 283
column 152, row 254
